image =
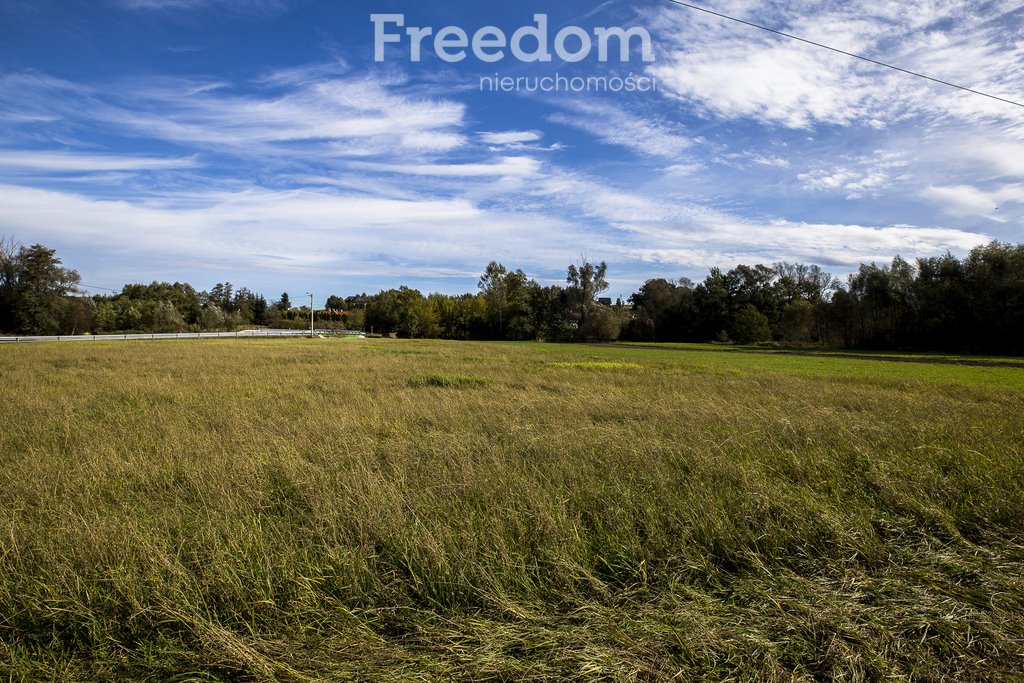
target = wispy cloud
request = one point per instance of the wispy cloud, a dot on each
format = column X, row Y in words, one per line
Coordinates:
column 358, row 112
column 327, row 231
column 691, row 235
column 737, row 72
column 613, row 125
column 999, row 204
column 236, row 6
column 86, row 163
column 507, row 167
column 511, row 137
column 752, row 149
column 857, row 177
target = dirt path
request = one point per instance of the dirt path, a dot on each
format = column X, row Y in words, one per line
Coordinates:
column 849, row 356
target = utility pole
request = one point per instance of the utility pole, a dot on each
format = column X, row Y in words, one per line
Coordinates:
column 310, row 314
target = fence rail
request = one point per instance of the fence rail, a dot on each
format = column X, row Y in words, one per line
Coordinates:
column 244, row 334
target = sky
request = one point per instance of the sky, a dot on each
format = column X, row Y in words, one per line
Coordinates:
column 267, row 143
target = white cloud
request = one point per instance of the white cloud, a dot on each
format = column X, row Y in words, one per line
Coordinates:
column 395, row 180
column 238, row 6
column 357, row 112
column 86, row 163
column 738, row 72
column 963, row 200
column 995, row 204
column 999, row 155
column 299, row 76
column 507, row 167
column 775, row 161
column 616, row 126
column 858, row 176
column 685, row 234
column 511, row 137
column 294, row 231
column 325, row 230
column 738, row 159
column 682, row 169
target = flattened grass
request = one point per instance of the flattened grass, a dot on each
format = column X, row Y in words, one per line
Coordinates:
column 309, row 510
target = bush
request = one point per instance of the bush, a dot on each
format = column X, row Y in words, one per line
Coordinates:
column 750, row 326
column 601, row 324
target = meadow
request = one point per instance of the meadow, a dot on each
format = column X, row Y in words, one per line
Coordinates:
column 383, row 510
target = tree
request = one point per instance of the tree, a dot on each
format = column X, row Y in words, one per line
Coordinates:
column 586, row 282
column 403, row 311
column 416, row 317
column 221, row 296
column 242, row 305
column 383, row 312
column 460, row 317
column 78, row 315
column 212, row 318
column 713, row 307
column 661, row 310
column 601, row 325
column 750, row 325
column 9, row 250
column 995, row 284
column 185, row 299
column 34, row 289
column 885, row 305
column 548, row 306
column 164, row 317
column 509, row 296
column 284, row 304
column 520, row 322
column 495, row 288
column 106, row 316
column 797, row 322
column 259, row 310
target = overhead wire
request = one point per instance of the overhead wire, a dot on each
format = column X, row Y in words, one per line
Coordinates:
column 844, row 52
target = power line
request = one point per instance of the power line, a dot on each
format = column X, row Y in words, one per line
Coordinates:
column 844, row 52
column 95, row 287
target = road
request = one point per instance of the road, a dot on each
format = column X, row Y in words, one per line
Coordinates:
column 174, row 335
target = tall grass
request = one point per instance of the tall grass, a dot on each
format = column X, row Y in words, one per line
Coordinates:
column 320, row 510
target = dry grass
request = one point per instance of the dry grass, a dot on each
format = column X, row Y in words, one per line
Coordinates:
column 326, row 510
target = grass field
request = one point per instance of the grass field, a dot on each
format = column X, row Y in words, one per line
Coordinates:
column 379, row 510
column 776, row 349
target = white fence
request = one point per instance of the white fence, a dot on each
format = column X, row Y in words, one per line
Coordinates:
column 175, row 335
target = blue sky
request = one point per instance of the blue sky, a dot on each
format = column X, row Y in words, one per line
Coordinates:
column 259, row 142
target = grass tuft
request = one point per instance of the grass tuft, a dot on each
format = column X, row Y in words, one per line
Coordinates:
column 596, row 365
column 448, row 381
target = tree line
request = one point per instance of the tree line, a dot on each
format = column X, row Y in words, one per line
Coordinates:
column 942, row 303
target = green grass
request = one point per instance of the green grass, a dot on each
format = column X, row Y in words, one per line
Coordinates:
column 596, row 365
column 778, row 349
column 818, row 365
column 448, row 381
column 304, row 510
